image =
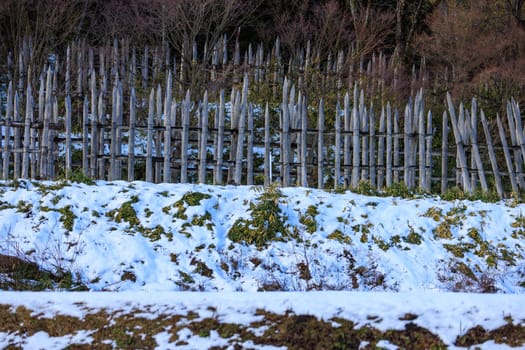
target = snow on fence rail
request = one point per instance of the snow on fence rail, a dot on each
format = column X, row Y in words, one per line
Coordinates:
column 116, row 133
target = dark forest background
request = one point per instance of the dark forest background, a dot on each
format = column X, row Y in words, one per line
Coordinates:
column 467, row 47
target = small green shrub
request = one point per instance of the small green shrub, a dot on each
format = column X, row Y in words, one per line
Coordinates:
column 308, row 219
column 79, row 177
column 266, row 223
column 399, row 189
column 365, row 187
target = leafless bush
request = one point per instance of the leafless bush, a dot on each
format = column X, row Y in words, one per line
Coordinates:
column 477, row 42
column 44, row 25
column 456, row 276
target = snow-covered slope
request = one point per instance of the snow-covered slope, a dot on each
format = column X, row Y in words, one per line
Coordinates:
column 139, row 236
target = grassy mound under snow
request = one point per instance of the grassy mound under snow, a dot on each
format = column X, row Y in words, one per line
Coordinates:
column 138, row 236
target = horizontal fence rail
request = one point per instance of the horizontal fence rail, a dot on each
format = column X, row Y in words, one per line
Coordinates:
column 148, row 129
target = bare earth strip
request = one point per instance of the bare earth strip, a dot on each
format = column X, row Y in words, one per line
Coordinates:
column 312, row 320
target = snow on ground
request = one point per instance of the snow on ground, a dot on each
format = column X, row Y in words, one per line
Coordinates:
column 390, row 256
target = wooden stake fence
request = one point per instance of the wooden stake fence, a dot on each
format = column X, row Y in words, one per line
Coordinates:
column 165, row 133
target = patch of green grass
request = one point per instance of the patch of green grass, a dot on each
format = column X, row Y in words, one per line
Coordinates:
column 201, row 268
column 308, row 219
column 459, row 250
column 340, row 237
column 5, row 205
column 519, row 226
column 188, row 199
column 154, row 234
column 201, row 220
column 380, row 243
column 442, row 231
column 413, row 237
column 435, row 213
column 126, row 213
column 186, row 278
column 68, row 217
column 24, row 207
column 194, row 198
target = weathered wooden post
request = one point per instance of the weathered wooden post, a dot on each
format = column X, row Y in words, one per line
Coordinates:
column 492, row 155
column 508, row 159
column 381, row 150
column 94, row 132
column 241, row 128
column 320, row 145
column 69, row 166
column 249, row 151
column 346, row 144
column 169, row 117
column 149, row 137
column 422, row 180
column 364, row 134
column 203, row 139
column 85, row 137
column 459, row 145
column 113, row 145
column 101, row 108
column 285, row 137
column 131, row 135
column 513, row 130
column 220, row 140
column 304, row 142
column 520, row 138
column 428, row 161
column 389, row 141
column 44, row 150
column 337, row 150
column 267, row 150
column 372, row 173
column 157, row 135
column 356, row 148
column 407, row 143
column 444, row 153
column 7, row 132
column 185, row 138
column 118, row 142
column 27, row 132
column 395, row 155
column 472, row 124
column 16, row 137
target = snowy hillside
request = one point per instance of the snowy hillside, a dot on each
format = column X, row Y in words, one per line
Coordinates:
column 138, row 236
column 372, row 271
